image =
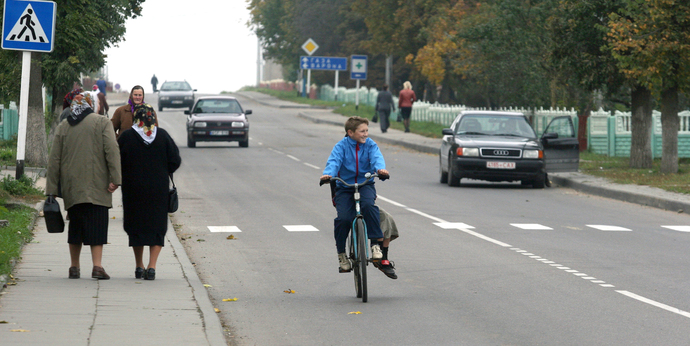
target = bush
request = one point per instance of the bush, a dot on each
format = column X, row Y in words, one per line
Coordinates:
column 24, row 186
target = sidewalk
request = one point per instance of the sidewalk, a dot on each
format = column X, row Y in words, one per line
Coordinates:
column 44, row 307
column 643, row 195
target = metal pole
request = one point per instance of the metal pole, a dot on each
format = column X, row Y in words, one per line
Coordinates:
column 23, row 113
column 357, row 96
column 389, row 69
column 336, row 84
column 308, row 83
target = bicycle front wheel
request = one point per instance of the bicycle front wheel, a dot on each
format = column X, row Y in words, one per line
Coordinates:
column 353, row 258
column 361, row 230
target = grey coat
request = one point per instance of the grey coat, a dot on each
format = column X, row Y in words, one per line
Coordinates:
column 384, row 101
column 84, row 159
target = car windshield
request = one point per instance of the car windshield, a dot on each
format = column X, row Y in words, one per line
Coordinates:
column 495, row 125
column 175, row 86
column 217, row 106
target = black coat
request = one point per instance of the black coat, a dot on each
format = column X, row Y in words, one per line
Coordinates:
column 145, row 185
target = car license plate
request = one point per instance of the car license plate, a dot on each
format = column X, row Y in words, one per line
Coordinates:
column 219, row 133
column 500, row 165
column 177, row 102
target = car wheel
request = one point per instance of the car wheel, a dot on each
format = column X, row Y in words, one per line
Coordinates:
column 160, row 108
column 444, row 175
column 539, row 182
column 453, row 179
column 190, row 142
column 244, row 144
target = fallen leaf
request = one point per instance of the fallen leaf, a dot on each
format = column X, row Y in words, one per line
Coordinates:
column 230, row 299
column 289, row 291
column 19, row 330
column 354, row 313
column 230, row 237
column 113, row 217
column 1, row 322
column 217, row 310
column 207, row 285
column 200, row 240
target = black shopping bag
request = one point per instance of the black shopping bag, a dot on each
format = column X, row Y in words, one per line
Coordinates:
column 51, row 213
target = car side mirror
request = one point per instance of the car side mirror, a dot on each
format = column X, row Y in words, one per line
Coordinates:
column 194, row 90
column 550, row 135
column 187, row 112
column 447, row 132
column 247, row 112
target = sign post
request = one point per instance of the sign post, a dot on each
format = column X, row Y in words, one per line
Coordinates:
column 326, row 63
column 310, row 47
column 358, row 71
column 28, row 26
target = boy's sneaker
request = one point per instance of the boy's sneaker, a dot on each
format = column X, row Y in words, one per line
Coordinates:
column 387, row 267
column 376, row 252
column 345, row 266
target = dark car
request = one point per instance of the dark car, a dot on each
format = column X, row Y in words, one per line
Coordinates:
column 217, row 119
column 502, row 146
column 175, row 95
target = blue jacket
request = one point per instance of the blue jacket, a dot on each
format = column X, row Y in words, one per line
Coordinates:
column 350, row 160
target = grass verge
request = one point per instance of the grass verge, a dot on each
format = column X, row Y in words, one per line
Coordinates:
column 18, row 232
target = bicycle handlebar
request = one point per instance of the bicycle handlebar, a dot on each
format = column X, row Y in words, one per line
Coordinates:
column 369, row 177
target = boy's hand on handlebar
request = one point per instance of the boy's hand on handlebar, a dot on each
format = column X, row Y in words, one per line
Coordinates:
column 324, row 179
column 383, row 174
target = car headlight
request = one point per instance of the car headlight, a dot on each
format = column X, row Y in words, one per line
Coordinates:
column 189, row 97
column 532, row 154
column 200, row 124
column 164, row 98
column 237, row 124
column 468, row 152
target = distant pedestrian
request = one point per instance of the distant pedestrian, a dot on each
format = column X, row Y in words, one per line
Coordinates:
column 154, row 82
column 67, row 102
column 149, row 156
column 103, row 107
column 384, row 106
column 102, row 85
column 405, row 100
column 85, row 161
column 123, row 118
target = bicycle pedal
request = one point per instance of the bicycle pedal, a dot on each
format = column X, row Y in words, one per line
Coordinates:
column 340, row 270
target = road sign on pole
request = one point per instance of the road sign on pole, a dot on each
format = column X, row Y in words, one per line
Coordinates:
column 358, row 67
column 327, row 63
column 29, row 25
column 310, row 46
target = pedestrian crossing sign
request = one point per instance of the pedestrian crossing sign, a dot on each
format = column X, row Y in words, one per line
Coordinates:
column 29, row 25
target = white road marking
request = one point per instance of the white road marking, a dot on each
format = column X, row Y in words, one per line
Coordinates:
column 301, row 228
column 425, row 215
column 218, row 229
column 678, row 228
column 531, row 226
column 655, row 303
column 312, row 166
column 390, row 201
column 452, row 225
column 608, row 228
column 294, row 158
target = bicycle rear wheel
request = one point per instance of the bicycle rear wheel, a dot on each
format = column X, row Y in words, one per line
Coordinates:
column 353, row 258
column 362, row 256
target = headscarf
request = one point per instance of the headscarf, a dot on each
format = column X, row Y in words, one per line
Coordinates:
column 67, row 102
column 94, row 87
column 80, row 109
column 145, row 122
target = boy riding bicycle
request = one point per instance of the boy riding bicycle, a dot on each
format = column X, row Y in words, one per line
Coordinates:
column 351, row 158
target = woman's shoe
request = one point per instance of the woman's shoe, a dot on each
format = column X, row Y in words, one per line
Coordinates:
column 99, row 273
column 139, row 272
column 74, row 273
column 150, row 274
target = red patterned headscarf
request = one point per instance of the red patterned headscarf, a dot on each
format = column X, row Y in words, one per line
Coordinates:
column 67, row 102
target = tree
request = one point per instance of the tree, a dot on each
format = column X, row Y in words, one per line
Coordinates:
column 650, row 39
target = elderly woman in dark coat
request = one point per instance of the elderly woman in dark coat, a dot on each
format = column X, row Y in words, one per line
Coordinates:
column 149, row 155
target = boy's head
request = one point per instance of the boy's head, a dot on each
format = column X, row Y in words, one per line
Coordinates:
column 357, row 128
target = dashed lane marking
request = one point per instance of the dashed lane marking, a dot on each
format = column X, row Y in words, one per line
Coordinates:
column 531, row 226
column 608, row 228
column 678, row 228
column 301, row 228
column 219, row 229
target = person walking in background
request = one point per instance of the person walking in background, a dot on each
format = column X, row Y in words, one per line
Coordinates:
column 149, row 155
column 123, row 118
column 85, row 161
column 384, row 106
column 405, row 100
column 102, row 85
column 102, row 107
column 67, row 102
column 154, row 82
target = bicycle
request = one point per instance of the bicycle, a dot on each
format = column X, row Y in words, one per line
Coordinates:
column 357, row 240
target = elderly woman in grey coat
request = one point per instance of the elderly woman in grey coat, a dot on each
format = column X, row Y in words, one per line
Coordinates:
column 85, row 160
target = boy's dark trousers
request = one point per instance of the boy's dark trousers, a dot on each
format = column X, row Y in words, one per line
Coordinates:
column 345, row 205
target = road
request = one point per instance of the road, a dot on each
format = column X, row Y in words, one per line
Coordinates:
column 483, row 264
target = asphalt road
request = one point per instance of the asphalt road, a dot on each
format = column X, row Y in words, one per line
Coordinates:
column 483, row 264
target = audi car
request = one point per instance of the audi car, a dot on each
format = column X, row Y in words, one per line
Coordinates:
column 217, row 119
column 503, row 147
column 175, row 95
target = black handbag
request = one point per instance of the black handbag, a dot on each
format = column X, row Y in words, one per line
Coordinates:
column 375, row 118
column 172, row 197
column 53, row 216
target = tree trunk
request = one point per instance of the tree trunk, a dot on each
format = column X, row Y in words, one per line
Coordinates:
column 669, row 130
column 36, row 148
column 641, row 128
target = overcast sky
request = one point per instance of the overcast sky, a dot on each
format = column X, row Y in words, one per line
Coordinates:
column 205, row 42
